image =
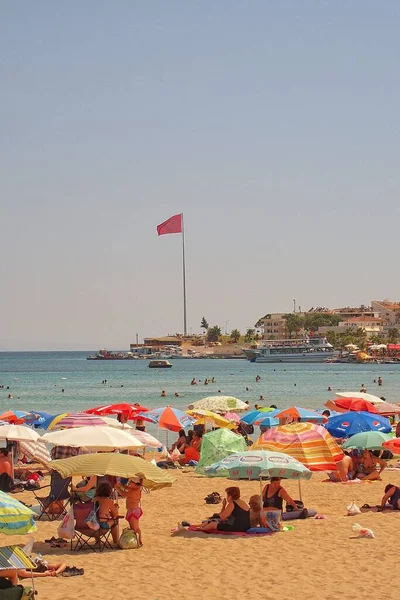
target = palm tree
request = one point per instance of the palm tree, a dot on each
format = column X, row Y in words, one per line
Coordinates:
column 235, row 335
column 214, row 333
column 393, row 335
column 249, row 335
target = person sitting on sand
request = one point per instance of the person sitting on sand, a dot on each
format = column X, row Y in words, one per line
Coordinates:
column 180, row 442
column 255, row 511
column 132, row 491
column 274, row 494
column 345, row 469
column 192, row 452
column 108, row 509
column 234, row 516
column 367, row 467
column 392, row 495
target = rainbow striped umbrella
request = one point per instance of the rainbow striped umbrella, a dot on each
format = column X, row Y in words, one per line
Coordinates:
column 310, row 444
column 169, row 418
column 15, row 517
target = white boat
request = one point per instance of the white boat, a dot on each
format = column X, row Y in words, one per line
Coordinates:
column 306, row 350
column 160, row 364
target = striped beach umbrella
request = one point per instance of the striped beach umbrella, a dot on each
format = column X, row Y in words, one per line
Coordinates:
column 310, row 444
column 77, row 420
column 15, row 517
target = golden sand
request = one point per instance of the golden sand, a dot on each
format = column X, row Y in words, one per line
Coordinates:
column 320, row 559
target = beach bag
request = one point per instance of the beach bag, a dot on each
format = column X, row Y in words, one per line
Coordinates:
column 128, row 540
column 66, row 529
column 272, row 519
column 299, row 503
column 213, row 498
column 91, row 520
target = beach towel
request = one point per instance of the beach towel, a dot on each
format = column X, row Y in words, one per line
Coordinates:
column 255, row 531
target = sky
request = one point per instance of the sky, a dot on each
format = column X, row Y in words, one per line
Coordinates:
column 272, row 125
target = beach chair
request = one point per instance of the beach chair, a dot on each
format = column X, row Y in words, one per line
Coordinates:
column 54, row 505
column 15, row 592
column 84, row 535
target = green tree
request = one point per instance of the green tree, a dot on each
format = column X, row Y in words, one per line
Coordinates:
column 235, row 335
column 393, row 335
column 204, row 324
column 249, row 335
column 293, row 323
column 333, row 338
column 377, row 339
column 214, row 333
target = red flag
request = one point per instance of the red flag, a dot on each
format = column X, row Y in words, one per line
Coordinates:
column 171, row 225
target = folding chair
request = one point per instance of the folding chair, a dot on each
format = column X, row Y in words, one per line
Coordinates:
column 54, row 505
column 84, row 534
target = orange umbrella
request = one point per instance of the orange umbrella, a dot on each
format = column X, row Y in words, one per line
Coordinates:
column 310, row 444
column 393, row 445
column 357, row 404
column 11, row 417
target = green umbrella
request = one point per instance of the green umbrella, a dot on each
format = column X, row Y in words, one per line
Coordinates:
column 368, row 440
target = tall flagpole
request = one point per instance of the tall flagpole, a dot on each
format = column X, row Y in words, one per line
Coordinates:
column 184, row 280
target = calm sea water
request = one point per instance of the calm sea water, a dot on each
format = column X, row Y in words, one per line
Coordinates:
column 36, row 380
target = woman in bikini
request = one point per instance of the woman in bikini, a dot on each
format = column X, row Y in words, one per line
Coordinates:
column 132, row 492
column 274, row 494
column 108, row 510
column 367, row 467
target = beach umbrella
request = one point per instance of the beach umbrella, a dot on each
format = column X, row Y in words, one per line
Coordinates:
column 77, row 420
column 218, row 444
column 296, row 412
column 96, row 438
column 15, row 517
column 18, row 433
column 386, row 408
column 14, row 558
column 310, row 444
column 206, row 416
column 13, row 416
column 37, row 418
column 363, row 395
column 367, row 440
column 169, row 418
column 393, row 445
column 119, row 465
column 269, row 421
column 233, row 417
column 50, row 423
column 37, row 450
column 131, row 411
column 254, row 417
column 350, row 423
column 254, row 464
column 355, row 404
column 219, row 404
column 146, row 439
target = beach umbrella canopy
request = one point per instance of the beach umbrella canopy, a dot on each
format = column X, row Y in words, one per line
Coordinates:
column 50, row 423
column 131, row 411
column 147, row 440
column 254, row 417
column 96, row 438
column 350, row 423
column 269, row 421
column 169, row 418
column 206, row 416
column 310, row 444
column 233, row 417
column 355, row 404
column 14, row 558
column 219, row 404
column 254, row 464
column 13, row 416
column 369, row 440
column 386, row 408
column 363, row 395
column 37, row 450
column 15, row 517
column 77, row 420
column 218, row 444
column 393, row 445
column 18, row 433
column 296, row 412
column 119, row 465
column 37, row 418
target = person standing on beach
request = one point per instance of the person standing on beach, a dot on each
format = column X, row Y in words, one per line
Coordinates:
column 132, row 492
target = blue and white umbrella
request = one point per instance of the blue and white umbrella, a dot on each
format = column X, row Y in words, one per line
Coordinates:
column 352, row 422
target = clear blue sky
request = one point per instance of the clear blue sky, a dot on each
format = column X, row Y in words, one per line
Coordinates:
column 273, row 125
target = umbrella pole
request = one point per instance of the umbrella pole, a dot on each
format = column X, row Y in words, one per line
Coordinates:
column 301, row 499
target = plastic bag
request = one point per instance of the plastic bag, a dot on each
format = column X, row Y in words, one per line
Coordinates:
column 175, row 454
column 353, row 509
column 66, row 529
column 363, row 531
column 128, row 539
column 91, row 521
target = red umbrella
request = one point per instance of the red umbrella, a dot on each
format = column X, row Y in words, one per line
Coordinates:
column 393, row 445
column 356, row 404
column 130, row 411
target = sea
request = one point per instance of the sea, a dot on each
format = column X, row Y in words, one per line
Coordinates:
column 57, row 382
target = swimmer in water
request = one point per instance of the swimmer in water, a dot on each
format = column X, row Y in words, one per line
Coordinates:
column 163, row 394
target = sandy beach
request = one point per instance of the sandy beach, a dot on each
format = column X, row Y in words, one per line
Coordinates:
column 319, row 559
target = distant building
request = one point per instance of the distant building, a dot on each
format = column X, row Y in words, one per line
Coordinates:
column 352, row 312
column 371, row 326
column 273, row 326
column 169, row 340
column 389, row 311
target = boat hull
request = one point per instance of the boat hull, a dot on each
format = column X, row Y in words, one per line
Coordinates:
column 299, row 358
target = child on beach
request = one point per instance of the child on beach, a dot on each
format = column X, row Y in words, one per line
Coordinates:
column 256, row 513
column 131, row 490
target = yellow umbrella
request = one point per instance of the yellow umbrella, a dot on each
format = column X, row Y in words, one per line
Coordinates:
column 119, row 465
column 203, row 416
